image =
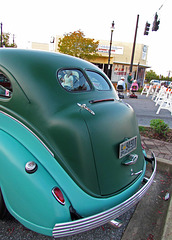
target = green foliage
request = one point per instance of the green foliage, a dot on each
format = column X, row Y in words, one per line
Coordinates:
column 140, row 89
column 5, row 40
column 152, row 75
column 142, row 129
column 159, row 127
column 75, row 44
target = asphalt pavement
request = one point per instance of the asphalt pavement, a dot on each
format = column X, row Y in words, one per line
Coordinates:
column 145, row 110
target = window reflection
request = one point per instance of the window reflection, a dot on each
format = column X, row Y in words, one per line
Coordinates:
column 73, row 80
column 98, row 81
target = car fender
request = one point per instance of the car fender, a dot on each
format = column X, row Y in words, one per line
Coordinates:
column 28, row 197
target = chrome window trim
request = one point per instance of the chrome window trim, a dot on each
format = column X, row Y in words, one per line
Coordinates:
column 85, row 224
column 29, row 131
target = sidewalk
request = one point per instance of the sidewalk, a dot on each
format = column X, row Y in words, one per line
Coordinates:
column 161, row 149
column 163, row 153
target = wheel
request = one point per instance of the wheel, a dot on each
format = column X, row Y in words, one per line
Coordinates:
column 3, row 209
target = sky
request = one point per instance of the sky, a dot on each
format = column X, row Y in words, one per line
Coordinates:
column 38, row 20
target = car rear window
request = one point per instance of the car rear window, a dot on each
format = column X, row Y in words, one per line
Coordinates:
column 98, row 81
column 73, row 80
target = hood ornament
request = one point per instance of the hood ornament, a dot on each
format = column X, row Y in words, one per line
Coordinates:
column 86, row 108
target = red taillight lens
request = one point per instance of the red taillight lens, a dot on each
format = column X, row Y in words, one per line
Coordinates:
column 58, row 195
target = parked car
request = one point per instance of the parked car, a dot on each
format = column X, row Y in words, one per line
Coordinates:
column 155, row 82
column 165, row 83
column 70, row 151
column 170, row 85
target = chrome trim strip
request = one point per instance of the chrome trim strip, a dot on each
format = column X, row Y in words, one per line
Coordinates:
column 86, row 108
column 85, row 224
column 29, row 131
column 135, row 173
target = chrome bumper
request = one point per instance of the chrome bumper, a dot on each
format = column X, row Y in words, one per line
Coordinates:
column 85, row 224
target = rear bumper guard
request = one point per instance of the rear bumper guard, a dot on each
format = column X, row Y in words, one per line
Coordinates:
column 85, row 224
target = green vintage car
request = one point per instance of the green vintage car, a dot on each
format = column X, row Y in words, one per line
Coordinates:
column 70, row 152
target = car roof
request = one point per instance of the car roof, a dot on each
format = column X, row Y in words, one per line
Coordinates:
column 155, row 80
column 24, row 63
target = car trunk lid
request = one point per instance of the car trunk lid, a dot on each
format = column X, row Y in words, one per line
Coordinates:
column 112, row 125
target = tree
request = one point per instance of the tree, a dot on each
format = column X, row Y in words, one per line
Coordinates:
column 5, row 41
column 151, row 75
column 75, row 44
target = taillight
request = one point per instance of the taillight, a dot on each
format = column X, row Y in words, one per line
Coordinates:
column 57, row 193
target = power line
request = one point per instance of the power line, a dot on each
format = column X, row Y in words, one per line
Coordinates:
column 162, row 5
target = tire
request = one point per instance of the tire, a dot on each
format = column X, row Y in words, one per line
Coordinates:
column 3, row 209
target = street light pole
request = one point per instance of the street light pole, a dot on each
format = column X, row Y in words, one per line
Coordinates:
column 1, row 35
column 112, row 29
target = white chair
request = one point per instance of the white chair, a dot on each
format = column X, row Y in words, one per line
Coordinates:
column 156, row 91
column 150, row 90
column 145, row 89
column 160, row 95
column 166, row 102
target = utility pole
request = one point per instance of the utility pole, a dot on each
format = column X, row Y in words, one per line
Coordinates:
column 137, row 70
column 1, row 35
column 169, row 74
column 134, row 43
column 13, row 39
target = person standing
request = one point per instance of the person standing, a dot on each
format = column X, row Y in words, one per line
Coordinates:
column 129, row 82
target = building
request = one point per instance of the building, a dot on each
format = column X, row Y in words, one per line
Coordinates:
column 119, row 61
column 121, row 58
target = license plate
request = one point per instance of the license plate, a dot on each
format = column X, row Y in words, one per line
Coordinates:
column 127, row 146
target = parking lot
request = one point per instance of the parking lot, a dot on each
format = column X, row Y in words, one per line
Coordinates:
column 145, row 110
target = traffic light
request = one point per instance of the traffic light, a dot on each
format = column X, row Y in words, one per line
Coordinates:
column 156, row 23
column 147, row 26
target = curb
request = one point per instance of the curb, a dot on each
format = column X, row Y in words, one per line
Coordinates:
column 162, row 161
column 167, row 232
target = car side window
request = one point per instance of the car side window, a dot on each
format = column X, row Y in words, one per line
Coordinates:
column 73, row 80
column 5, row 86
